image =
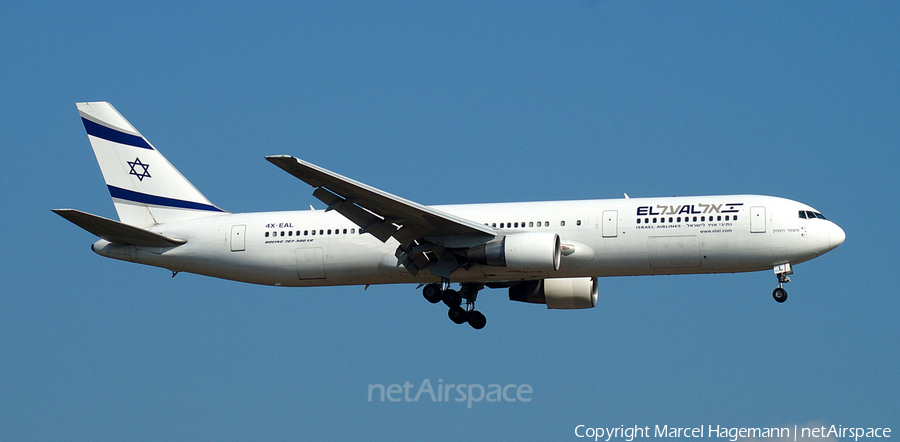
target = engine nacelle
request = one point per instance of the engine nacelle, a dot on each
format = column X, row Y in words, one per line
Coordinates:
column 520, row 252
column 562, row 293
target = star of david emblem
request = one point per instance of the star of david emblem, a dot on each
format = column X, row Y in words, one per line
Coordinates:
column 141, row 174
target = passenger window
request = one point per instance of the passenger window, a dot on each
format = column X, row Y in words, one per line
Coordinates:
column 719, row 218
column 654, row 220
column 313, row 232
column 670, row 219
column 562, row 223
column 578, row 222
column 646, row 220
column 695, row 219
column 353, row 231
column 530, row 223
column 290, row 233
column 517, row 224
column 638, row 220
column 267, row 234
column 735, row 217
column 345, row 231
column 726, row 217
column 329, row 231
column 703, row 218
column 282, row 233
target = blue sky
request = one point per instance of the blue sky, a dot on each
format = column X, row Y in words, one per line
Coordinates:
column 449, row 103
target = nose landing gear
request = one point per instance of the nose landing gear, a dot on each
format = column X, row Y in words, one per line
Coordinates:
column 780, row 294
column 782, row 271
column 435, row 293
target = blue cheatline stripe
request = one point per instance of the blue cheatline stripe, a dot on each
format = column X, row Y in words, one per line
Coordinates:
column 130, row 195
column 113, row 135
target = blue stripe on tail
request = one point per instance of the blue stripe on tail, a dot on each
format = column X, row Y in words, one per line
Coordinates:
column 138, row 197
column 113, row 135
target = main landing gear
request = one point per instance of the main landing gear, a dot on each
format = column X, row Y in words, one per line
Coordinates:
column 782, row 271
column 435, row 293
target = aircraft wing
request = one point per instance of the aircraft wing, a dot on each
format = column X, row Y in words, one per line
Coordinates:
column 380, row 213
column 116, row 232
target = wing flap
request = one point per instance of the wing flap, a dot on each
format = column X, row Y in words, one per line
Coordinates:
column 116, row 232
column 376, row 211
column 363, row 218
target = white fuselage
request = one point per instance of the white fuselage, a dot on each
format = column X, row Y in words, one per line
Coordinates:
column 619, row 237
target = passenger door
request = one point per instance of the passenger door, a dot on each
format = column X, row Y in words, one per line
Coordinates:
column 758, row 219
column 610, row 223
column 237, row 238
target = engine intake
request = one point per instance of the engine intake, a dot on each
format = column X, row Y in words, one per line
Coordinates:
column 520, row 252
column 559, row 293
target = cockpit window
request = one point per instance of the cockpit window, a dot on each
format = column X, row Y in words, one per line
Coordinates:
column 809, row 214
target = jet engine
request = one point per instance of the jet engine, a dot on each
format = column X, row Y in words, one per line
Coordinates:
column 520, row 252
column 561, row 293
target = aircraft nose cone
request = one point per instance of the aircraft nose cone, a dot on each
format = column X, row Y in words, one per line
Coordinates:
column 836, row 236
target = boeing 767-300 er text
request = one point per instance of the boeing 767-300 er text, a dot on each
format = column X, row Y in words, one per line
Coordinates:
column 547, row 253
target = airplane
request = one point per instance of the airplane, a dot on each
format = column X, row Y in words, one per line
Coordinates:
column 549, row 253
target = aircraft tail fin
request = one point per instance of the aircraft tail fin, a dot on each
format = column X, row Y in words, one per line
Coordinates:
column 146, row 189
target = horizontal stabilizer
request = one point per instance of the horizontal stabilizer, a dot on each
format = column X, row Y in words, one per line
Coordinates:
column 116, row 232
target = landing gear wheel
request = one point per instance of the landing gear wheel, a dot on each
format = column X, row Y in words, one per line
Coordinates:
column 452, row 298
column 780, row 294
column 458, row 315
column 477, row 320
column 432, row 292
